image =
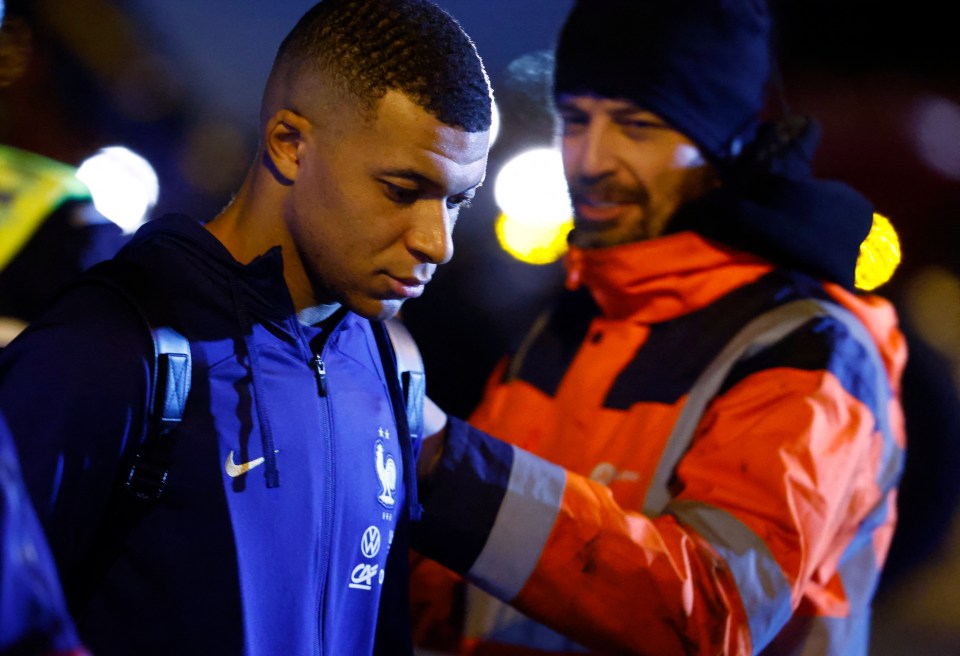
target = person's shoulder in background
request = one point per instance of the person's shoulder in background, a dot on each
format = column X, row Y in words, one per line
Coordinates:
column 33, row 612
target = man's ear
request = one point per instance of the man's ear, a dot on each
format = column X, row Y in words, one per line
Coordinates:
column 284, row 136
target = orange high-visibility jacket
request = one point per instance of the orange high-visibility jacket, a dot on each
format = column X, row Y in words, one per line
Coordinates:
column 766, row 532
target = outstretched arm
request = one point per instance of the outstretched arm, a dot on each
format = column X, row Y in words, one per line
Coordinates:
column 767, row 515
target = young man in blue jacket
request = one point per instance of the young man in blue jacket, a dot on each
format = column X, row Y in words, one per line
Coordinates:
column 285, row 484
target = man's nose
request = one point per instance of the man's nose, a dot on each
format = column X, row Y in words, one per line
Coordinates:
column 430, row 238
column 590, row 151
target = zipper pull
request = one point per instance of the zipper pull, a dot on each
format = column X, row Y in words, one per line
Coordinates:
column 321, row 374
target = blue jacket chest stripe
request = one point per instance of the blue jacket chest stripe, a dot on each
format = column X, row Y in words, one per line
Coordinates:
column 821, row 345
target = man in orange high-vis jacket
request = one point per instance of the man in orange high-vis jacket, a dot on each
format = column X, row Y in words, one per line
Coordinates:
column 701, row 443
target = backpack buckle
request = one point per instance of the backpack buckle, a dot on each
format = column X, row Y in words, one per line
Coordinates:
column 146, row 480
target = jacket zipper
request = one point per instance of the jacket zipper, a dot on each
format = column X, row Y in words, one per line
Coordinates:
column 321, row 374
column 328, row 502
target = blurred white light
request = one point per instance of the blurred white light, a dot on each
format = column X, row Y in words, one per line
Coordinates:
column 531, row 188
column 532, row 194
column 123, row 185
column 937, row 133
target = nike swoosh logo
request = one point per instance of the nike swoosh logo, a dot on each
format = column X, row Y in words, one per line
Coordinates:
column 233, row 469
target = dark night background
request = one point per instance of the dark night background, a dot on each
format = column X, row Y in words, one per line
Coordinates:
column 179, row 82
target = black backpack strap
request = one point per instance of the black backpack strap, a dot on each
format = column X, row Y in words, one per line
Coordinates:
column 147, row 475
column 170, row 375
column 142, row 480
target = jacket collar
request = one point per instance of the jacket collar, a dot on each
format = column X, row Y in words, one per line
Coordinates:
column 260, row 282
column 660, row 279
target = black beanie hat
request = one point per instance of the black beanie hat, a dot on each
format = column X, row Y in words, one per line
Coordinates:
column 701, row 65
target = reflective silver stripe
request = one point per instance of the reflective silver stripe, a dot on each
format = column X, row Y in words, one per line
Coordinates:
column 526, row 517
column 757, row 335
column 761, row 583
column 892, row 457
column 858, row 567
column 824, row 636
column 490, row 619
column 763, row 588
column 763, row 331
column 516, row 362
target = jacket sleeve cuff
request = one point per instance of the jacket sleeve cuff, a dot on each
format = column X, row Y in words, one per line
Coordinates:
column 489, row 510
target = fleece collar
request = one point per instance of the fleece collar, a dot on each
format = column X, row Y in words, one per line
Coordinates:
column 814, row 226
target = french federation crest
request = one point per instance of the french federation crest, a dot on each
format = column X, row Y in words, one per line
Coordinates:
column 387, row 473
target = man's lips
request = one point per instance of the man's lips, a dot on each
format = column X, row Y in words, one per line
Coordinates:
column 598, row 213
column 600, row 210
column 406, row 287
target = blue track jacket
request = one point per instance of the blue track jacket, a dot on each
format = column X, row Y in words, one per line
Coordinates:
column 286, row 486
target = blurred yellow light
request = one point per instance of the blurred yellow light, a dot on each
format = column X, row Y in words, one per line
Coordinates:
column 879, row 255
column 533, row 243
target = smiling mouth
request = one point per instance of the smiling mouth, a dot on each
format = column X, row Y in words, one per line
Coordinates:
column 595, row 211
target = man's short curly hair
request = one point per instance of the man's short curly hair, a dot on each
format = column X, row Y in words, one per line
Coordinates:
column 369, row 47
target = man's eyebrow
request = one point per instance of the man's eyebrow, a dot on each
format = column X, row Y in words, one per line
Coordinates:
column 421, row 179
column 637, row 114
column 411, row 175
